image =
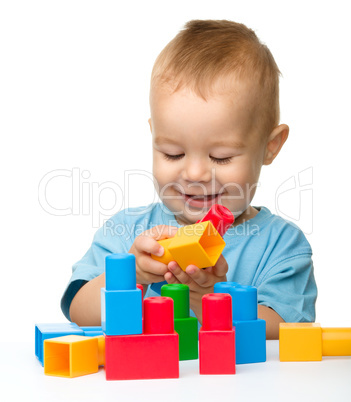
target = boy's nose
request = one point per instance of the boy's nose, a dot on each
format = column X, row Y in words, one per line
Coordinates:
column 196, row 171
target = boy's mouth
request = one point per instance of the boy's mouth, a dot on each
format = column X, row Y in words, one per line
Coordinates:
column 201, row 201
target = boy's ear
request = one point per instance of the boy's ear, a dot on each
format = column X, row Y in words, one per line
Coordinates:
column 150, row 124
column 275, row 142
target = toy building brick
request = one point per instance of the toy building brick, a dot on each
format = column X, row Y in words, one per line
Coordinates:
column 73, row 355
column 300, row 342
column 151, row 355
column 199, row 244
column 250, row 331
column 217, row 336
column 306, row 341
column 336, row 341
column 184, row 325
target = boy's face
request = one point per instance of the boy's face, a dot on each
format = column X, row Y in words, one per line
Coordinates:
column 205, row 152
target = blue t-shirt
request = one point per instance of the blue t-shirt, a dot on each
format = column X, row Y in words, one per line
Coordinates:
column 266, row 252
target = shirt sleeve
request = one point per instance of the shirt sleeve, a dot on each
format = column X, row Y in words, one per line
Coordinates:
column 289, row 288
column 69, row 294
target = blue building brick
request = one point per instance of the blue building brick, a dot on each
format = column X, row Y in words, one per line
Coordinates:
column 244, row 299
column 250, row 341
column 92, row 331
column 121, row 312
column 48, row 331
column 250, row 332
column 120, row 273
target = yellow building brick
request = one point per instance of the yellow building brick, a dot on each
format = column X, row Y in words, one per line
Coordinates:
column 300, row 342
column 199, row 244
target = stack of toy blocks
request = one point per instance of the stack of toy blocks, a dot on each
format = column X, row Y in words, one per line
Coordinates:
column 153, row 354
column 217, row 336
column 250, row 332
column 304, row 341
column 134, row 351
column 184, row 325
column 121, row 300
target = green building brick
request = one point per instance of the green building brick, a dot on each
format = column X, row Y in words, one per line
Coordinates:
column 187, row 329
column 184, row 325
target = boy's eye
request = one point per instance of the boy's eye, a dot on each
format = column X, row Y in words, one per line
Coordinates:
column 173, row 157
column 220, row 161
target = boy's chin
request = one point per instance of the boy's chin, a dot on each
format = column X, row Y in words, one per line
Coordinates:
column 190, row 219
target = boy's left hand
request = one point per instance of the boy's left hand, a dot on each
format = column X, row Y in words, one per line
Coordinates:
column 200, row 281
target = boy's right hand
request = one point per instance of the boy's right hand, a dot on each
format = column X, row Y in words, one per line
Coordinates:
column 149, row 270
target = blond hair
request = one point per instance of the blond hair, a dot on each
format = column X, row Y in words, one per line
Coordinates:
column 207, row 50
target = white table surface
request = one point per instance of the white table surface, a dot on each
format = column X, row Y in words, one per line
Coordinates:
column 22, row 379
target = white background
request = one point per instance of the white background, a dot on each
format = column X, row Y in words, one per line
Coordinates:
column 74, row 82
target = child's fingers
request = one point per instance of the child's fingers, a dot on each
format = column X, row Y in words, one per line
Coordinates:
column 221, row 267
column 147, row 264
column 170, row 278
column 200, row 276
column 146, row 244
column 179, row 274
column 207, row 277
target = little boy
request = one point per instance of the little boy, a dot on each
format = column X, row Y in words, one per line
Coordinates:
column 214, row 102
